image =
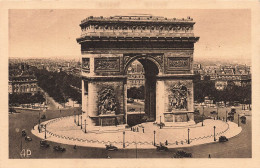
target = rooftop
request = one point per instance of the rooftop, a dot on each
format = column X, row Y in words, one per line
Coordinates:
column 141, row 18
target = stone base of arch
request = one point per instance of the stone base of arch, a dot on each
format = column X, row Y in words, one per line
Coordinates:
column 168, row 97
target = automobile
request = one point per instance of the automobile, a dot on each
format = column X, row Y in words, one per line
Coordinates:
column 24, row 133
column 130, row 100
column 231, row 118
column 132, row 109
column 243, row 119
column 12, row 110
column 44, row 143
column 182, row 154
column 233, row 110
column 196, row 111
column 213, row 112
column 27, row 138
column 43, row 116
column 231, row 114
column 111, row 148
column 161, row 147
column 59, row 148
column 223, row 139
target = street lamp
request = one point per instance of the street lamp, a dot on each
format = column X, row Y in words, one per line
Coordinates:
column 74, row 117
column 81, row 121
column 214, row 133
column 202, row 116
column 238, row 120
column 160, row 122
column 154, row 138
column 188, row 135
column 217, row 112
column 226, row 115
column 85, row 126
column 78, row 119
column 45, row 132
column 123, row 139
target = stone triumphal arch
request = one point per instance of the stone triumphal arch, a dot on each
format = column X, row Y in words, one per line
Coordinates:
column 165, row 49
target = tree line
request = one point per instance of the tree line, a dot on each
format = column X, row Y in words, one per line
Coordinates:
column 26, row 98
column 58, row 85
column 232, row 93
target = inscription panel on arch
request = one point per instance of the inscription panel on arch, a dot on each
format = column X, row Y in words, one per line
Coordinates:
column 109, row 64
column 177, row 63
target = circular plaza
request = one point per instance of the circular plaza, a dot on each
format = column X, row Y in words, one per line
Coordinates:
column 66, row 130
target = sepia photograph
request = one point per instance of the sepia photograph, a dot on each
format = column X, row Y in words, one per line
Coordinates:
column 82, row 85
column 122, row 84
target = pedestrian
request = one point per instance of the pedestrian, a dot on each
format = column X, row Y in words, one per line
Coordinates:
column 143, row 129
column 209, row 156
column 166, row 142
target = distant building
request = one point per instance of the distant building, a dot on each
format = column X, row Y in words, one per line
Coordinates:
column 22, row 84
column 221, row 82
column 135, row 75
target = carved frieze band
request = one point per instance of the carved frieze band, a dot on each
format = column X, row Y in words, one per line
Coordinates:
column 109, row 64
column 177, row 63
column 85, row 64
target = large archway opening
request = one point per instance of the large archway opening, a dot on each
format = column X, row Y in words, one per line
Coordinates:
column 141, row 92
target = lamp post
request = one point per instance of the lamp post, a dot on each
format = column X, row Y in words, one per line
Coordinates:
column 123, row 139
column 214, row 133
column 226, row 115
column 188, row 135
column 81, row 121
column 217, row 112
column 85, row 126
column 160, row 122
column 238, row 120
column 140, row 115
column 74, row 117
column 202, row 116
column 78, row 119
column 45, row 132
column 154, row 138
column 21, row 142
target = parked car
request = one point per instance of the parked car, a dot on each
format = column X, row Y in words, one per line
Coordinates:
column 182, row 154
column 196, row 111
column 132, row 109
column 12, row 110
column 111, row 148
column 223, row 139
column 243, row 119
column 130, row 100
column 213, row 112
column 27, row 138
column 24, row 133
column 230, row 118
column 161, row 147
column 43, row 116
column 59, row 148
column 233, row 110
column 44, row 143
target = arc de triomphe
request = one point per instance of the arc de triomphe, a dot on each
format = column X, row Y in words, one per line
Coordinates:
column 165, row 49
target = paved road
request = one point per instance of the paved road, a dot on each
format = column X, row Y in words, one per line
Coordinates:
column 239, row 146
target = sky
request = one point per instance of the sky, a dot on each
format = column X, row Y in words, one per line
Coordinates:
column 225, row 34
